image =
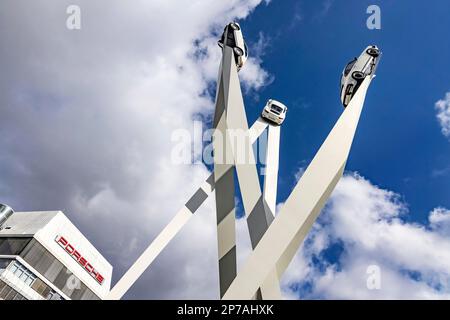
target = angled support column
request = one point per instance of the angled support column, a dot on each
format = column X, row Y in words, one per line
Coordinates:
column 174, row 226
column 271, row 286
column 301, row 209
column 271, row 173
column 225, row 193
column 259, row 215
column 161, row 241
column 223, row 177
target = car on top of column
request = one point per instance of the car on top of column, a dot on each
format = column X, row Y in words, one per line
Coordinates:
column 232, row 36
column 274, row 111
column 356, row 71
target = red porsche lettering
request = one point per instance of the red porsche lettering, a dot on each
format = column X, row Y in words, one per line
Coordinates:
column 70, row 249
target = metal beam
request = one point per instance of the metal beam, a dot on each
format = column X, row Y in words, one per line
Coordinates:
column 271, row 172
column 224, row 188
column 174, row 226
column 270, row 289
column 259, row 216
column 281, row 240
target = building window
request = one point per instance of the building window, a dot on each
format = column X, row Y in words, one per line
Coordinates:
column 21, row 272
column 28, row 277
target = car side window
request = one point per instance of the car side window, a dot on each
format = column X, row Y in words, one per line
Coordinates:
column 349, row 66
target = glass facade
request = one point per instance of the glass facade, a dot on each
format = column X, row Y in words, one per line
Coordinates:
column 46, row 264
column 4, row 264
column 54, row 271
column 13, row 246
column 29, row 278
column 8, row 293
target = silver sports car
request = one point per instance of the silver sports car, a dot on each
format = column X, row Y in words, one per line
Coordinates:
column 356, row 71
column 235, row 40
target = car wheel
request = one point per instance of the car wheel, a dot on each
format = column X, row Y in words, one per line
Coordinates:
column 358, row 75
column 373, row 52
column 238, row 51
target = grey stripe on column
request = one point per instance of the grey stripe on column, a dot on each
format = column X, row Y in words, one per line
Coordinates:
column 196, row 200
column 259, row 216
column 259, row 221
column 225, row 195
column 303, row 204
column 228, row 264
column 210, row 181
column 220, row 103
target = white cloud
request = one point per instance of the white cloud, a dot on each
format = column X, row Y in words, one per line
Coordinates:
column 443, row 114
column 87, row 118
column 440, row 220
column 301, row 168
column 252, row 76
column 363, row 224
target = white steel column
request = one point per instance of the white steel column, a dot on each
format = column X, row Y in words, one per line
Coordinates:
column 160, row 242
column 303, row 205
column 174, row 226
column 270, row 289
column 271, row 173
column 259, row 216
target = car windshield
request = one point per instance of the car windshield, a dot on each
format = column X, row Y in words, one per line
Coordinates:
column 276, row 108
column 349, row 66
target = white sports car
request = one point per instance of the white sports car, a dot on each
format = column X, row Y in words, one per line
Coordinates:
column 274, row 111
column 356, row 71
column 235, row 40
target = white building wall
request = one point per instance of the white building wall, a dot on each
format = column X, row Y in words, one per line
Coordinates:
column 60, row 225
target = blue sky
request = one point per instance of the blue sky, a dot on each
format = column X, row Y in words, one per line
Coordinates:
column 398, row 144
